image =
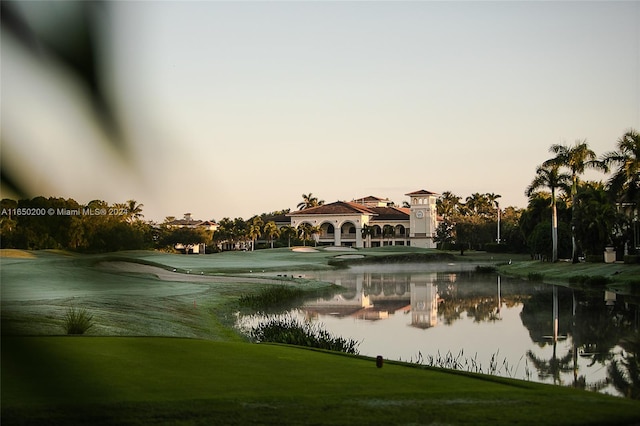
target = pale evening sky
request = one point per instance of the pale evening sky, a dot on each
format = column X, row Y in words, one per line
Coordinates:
column 237, row 108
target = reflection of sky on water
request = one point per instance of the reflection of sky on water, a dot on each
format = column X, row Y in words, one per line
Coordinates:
column 376, row 309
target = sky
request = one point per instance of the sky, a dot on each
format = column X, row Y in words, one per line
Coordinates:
column 232, row 109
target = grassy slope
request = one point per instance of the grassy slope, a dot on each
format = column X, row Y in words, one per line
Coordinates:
column 185, row 381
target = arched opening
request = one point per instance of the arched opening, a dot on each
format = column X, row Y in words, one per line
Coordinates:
column 327, row 230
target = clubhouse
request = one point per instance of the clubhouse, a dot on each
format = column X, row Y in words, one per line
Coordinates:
column 341, row 223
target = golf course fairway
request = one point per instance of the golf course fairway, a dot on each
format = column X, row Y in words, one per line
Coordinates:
column 141, row 380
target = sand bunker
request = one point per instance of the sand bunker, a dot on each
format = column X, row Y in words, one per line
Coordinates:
column 304, row 250
column 16, row 254
column 349, row 256
column 165, row 275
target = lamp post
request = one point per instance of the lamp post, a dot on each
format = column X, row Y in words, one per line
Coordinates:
column 498, row 207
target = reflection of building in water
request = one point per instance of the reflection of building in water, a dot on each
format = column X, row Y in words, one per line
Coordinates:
column 351, row 302
column 375, row 296
column 424, row 305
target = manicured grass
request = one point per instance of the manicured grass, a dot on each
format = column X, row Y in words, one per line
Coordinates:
column 564, row 272
column 116, row 380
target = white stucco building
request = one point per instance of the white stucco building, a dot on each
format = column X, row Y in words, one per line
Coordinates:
column 373, row 222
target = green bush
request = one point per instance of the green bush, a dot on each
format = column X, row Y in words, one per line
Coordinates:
column 77, row 321
column 595, row 258
column 631, row 258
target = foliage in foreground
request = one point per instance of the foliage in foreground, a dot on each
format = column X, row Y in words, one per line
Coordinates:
column 77, row 321
column 292, row 331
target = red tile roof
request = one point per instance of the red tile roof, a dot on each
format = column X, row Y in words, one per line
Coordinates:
column 339, row 207
column 390, row 213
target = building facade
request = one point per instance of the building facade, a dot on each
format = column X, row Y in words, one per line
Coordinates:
column 373, row 222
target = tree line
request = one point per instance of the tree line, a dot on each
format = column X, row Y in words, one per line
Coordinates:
column 566, row 217
column 59, row 223
column 98, row 227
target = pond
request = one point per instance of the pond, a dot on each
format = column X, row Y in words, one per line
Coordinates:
column 477, row 322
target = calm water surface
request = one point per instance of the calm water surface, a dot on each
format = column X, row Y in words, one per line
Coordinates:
column 504, row 326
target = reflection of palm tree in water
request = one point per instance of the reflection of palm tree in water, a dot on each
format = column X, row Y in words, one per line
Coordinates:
column 567, row 363
column 625, row 374
column 554, row 366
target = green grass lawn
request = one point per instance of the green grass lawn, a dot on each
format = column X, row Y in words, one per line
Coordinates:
column 115, row 380
column 619, row 274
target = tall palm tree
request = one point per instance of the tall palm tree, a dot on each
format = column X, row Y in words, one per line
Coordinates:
column 625, row 181
column 308, row 201
column 625, row 373
column 287, row 232
column 597, row 217
column 448, row 204
column 304, row 232
column 271, row 231
column 255, row 230
column 388, row 231
column 134, row 211
column 367, row 232
column 551, row 178
column 576, row 158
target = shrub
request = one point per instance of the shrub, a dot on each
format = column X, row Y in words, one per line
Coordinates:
column 595, row 258
column 631, row 258
column 291, row 331
column 77, row 321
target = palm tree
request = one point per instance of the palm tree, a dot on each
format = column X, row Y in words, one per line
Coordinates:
column 550, row 177
column 388, row 231
column 576, row 158
column 625, row 374
column 367, row 232
column 308, row 201
column 306, row 231
column 134, row 211
column 597, row 218
column 288, row 231
column 271, row 231
column 448, row 204
column 625, row 181
column 624, row 184
column 255, row 230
